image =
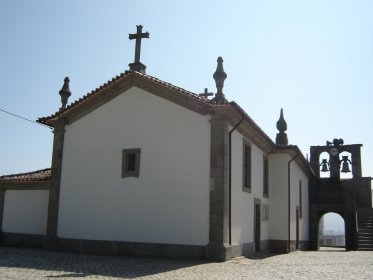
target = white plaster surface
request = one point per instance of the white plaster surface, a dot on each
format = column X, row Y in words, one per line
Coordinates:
column 278, row 189
column 25, row 211
column 243, row 202
column 168, row 203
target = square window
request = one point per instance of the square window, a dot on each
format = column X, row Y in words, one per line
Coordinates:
column 131, row 163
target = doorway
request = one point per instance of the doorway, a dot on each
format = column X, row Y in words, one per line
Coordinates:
column 297, row 214
column 257, row 221
column 332, row 231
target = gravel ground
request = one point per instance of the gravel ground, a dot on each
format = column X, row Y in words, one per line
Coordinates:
column 17, row 263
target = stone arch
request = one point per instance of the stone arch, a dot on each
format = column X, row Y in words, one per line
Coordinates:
column 345, row 156
column 317, row 212
column 324, row 157
column 331, row 238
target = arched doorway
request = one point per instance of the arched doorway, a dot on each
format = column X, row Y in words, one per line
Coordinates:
column 332, row 231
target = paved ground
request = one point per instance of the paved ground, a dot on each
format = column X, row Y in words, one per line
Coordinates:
column 16, row 263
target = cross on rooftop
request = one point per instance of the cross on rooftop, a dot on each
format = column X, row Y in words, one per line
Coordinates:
column 205, row 94
column 137, row 65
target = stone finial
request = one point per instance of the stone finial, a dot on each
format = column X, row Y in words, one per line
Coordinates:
column 219, row 77
column 281, row 137
column 65, row 92
column 281, row 123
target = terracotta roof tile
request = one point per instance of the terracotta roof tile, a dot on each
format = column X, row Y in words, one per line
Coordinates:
column 34, row 176
column 176, row 89
column 119, row 77
column 251, row 121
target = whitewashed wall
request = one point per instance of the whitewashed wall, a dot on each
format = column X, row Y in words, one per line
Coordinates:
column 278, row 215
column 243, row 202
column 298, row 175
column 25, row 211
column 168, row 203
column 278, row 188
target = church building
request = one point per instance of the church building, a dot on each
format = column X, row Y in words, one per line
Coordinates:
column 143, row 167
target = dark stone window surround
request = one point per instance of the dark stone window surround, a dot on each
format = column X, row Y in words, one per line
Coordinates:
column 246, row 188
column 265, row 176
column 300, row 200
column 125, row 156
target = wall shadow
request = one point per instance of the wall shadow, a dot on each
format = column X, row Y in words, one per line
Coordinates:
column 70, row 265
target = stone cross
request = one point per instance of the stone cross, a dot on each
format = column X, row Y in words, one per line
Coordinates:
column 205, row 94
column 138, row 36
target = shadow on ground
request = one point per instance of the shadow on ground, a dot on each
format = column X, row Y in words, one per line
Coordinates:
column 65, row 265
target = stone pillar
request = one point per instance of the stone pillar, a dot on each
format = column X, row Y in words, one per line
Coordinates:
column 334, row 168
column 54, row 192
column 2, row 196
column 356, row 161
column 313, row 228
column 218, row 248
column 350, row 230
column 314, row 160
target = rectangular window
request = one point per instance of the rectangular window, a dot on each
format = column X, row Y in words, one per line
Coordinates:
column 131, row 163
column 246, row 172
column 300, row 199
column 265, row 212
column 265, row 176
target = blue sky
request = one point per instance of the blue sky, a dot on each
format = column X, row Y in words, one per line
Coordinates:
column 312, row 58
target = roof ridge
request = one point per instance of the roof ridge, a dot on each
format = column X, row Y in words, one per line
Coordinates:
column 237, row 107
column 117, row 78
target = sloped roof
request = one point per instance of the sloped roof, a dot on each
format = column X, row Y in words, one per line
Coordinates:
column 34, row 176
column 175, row 91
column 127, row 75
column 248, row 119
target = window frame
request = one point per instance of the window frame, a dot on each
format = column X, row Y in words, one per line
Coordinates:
column 300, row 200
column 246, row 173
column 135, row 173
column 265, row 176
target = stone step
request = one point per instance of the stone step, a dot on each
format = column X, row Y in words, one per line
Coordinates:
column 365, row 248
column 365, row 230
column 364, row 209
column 362, row 228
column 365, row 242
column 368, row 224
column 367, row 234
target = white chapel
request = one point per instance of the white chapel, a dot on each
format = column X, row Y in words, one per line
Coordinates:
column 143, row 167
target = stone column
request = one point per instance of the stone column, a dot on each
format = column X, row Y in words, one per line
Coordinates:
column 218, row 248
column 54, row 192
column 2, row 196
column 314, row 160
column 356, row 161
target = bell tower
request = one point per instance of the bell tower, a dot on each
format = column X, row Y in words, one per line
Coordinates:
column 349, row 196
column 337, row 163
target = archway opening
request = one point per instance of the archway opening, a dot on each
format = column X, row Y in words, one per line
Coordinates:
column 346, row 165
column 324, row 160
column 332, row 231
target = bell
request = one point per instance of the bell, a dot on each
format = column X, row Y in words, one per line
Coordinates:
column 345, row 166
column 324, row 166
